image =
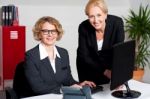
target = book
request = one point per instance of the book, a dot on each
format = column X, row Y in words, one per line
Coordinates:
column 3, row 11
column 16, row 17
column 11, row 13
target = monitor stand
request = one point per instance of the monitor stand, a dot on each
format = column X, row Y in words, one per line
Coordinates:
column 126, row 93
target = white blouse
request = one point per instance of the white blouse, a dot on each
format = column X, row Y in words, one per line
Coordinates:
column 99, row 44
column 44, row 54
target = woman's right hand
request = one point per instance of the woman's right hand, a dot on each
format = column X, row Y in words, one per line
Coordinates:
column 89, row 83
column 107, row 73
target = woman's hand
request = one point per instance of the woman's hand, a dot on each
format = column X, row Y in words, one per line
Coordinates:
column 89, row 83
column 119, row 87
column 76, row 86
column 107, row 73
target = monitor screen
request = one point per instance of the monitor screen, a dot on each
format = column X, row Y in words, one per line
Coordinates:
column 123, row 58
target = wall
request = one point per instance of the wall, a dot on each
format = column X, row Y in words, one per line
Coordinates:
column 70, row 14
column 69, row 17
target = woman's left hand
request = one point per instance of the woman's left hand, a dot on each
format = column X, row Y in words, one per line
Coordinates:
column 107, row 73
column 76, row 86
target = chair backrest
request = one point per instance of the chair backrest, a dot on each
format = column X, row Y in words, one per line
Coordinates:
column 20, row 83
column 10, row 93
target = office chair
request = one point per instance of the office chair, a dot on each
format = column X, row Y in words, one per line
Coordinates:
column 20, row 83
column 14, row 93
column 10, row 93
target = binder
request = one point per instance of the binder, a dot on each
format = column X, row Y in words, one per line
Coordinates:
column 3, row 15
column 16, row 17
column 11, row 9
column 6, row 16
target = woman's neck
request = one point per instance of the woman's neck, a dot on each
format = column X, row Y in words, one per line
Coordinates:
column 49, row 50
column 100, row 32
column 99, row 35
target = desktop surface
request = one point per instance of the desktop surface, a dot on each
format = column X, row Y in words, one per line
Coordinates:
column 106, row 93
column 96, row 89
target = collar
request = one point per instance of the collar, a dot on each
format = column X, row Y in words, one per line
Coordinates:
column 44, row 54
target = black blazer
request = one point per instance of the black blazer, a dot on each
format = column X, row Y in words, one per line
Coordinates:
column 40, row 75
column 92, row 63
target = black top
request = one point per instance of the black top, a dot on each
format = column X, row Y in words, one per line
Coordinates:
column 92, row 63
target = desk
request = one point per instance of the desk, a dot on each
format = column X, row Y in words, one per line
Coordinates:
column 106, row 94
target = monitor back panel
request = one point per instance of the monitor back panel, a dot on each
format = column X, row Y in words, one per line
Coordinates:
column 123, row 56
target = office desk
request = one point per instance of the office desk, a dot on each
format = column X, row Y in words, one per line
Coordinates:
column 106, row 94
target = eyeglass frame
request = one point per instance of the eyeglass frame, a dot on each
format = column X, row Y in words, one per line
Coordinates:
column 48, row 32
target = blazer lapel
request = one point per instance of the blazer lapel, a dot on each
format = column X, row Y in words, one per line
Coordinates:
column 46, row 63
column 58, row 64
column 107, row 35
column 92, row 38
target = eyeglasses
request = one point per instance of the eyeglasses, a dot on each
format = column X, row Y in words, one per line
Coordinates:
column 47, row 32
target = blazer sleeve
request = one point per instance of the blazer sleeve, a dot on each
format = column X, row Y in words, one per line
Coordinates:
column 69, row 80
column 119, row 30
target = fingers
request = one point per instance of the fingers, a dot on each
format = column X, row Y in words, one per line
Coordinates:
column 76, row 86
column 89, row 83
column 119, row 87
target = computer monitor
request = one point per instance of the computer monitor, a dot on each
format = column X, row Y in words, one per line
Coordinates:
column 123, row 58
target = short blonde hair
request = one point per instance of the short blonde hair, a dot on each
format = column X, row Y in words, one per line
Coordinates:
column 38, row 26
column 99, row 3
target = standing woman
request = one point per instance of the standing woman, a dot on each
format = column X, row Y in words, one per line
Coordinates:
column 97, row 35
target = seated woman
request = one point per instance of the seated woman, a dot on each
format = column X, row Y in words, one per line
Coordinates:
column 46, row 65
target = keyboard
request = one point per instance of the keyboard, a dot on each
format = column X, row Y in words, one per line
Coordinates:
column 96, row 89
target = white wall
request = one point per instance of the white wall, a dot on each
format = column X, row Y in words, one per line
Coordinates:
column 69, row 13
column 70, row 17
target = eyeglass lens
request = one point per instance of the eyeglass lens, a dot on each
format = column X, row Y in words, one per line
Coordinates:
column 46, row 32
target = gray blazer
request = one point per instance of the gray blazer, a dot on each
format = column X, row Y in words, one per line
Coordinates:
column 40, row 75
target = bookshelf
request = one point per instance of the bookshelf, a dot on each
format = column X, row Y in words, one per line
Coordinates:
column 12, row 43
column 12, row 51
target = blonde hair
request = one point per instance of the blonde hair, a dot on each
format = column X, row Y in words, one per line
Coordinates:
column 99, row 3
column 38, row 26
